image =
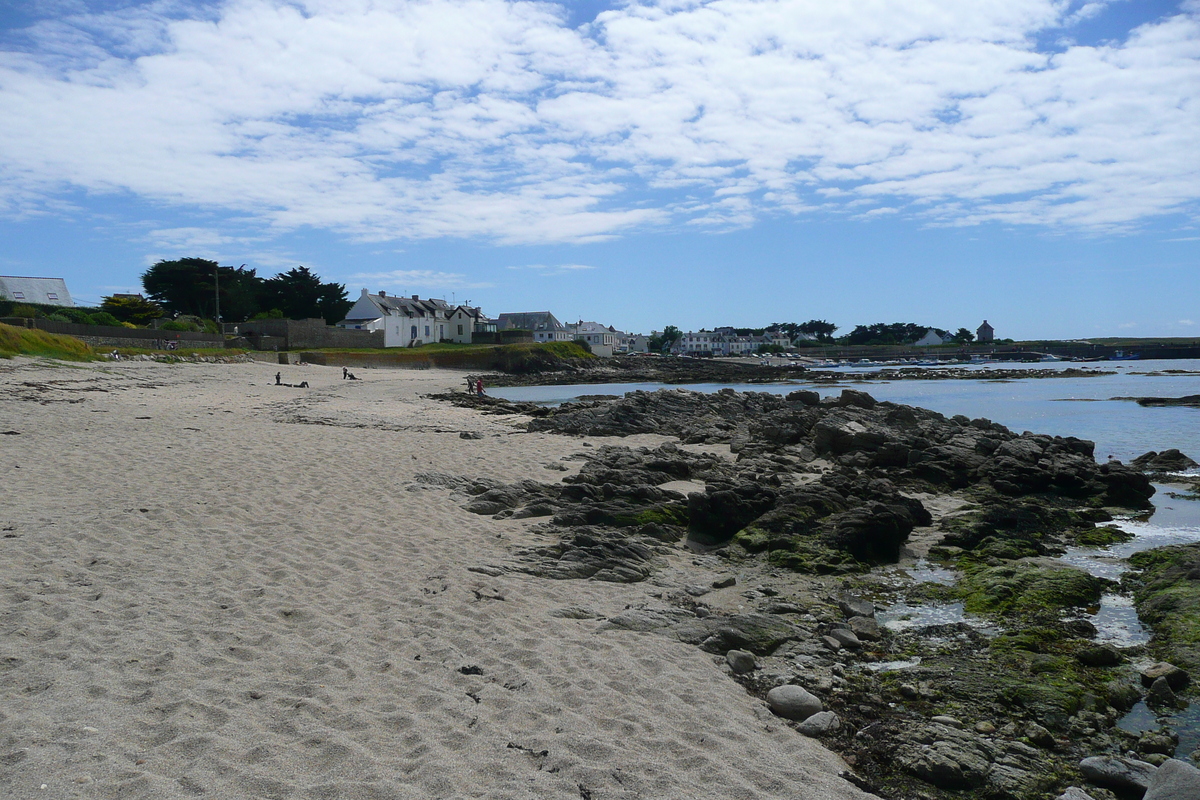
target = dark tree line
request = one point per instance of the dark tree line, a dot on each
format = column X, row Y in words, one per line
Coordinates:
column 189, row 286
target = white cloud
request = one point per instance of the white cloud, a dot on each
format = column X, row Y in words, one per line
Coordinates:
column 399, row 119
column 421, row 278
column 1186, row 322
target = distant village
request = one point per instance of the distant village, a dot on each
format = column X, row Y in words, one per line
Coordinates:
column 412, row 321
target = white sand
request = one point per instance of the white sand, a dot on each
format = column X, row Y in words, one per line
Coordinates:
column 218, row 600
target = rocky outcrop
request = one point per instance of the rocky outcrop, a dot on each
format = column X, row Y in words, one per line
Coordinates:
column 1167, row 461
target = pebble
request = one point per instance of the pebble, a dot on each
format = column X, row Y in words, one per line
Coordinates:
column 846, row 638
column 819, row 724
column 985, row 727
column 793, row 702
column 942, row 719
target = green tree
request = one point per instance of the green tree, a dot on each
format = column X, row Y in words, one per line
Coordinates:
column 132, row 308
column 663, row 342
column 822, row 330
column 964, row 336
column 299, row 294
column 186, row 286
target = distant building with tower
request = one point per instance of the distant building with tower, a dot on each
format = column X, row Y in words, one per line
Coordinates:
column 985, row 333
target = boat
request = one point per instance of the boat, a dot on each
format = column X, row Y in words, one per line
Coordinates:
column 1121, row 355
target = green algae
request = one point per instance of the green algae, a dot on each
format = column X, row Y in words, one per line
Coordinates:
column 1166, row 592
column 1027, row 589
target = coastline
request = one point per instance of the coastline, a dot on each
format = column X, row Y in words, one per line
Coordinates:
column 216, row 585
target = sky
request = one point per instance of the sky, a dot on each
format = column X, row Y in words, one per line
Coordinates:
column 699, row 163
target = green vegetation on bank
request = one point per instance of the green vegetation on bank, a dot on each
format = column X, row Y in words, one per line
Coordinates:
column 30, row 342
column 1166, row 591
column 510, row 358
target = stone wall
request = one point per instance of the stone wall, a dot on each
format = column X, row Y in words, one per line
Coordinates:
column 294, row 334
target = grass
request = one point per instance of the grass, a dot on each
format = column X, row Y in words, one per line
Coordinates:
column 32, row 342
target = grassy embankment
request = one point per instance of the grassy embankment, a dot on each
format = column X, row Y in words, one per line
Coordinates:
column 32, row 342
column 511, row 358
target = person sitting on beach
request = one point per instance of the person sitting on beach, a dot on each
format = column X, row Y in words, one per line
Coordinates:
column 351, row 376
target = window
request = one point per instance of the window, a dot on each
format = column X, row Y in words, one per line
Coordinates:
column 18, row 295
column 51, row 295
column 460, row 333
column 426, row 330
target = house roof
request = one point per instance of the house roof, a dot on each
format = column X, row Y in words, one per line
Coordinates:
column 530, row 321
column 45, row 291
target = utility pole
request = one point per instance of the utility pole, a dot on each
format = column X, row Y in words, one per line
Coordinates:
column 217, row 291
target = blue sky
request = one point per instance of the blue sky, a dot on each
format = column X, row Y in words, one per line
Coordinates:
column 1032, row 162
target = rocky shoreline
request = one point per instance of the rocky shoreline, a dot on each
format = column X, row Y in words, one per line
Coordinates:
column 643, row 368
column 798, row 501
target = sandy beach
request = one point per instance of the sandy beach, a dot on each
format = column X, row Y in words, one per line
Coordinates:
column 215, row 586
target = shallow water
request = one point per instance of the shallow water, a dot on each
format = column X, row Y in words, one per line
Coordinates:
column 1185, row 722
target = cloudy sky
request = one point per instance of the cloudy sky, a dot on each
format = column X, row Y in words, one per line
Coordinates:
column 687, row 162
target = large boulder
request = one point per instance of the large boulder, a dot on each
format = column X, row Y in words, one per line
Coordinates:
column 1121, row 774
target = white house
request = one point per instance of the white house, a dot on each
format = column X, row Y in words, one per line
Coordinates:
column 930, row 339
column 43, row 291
column 465, row 321
column 405, row 321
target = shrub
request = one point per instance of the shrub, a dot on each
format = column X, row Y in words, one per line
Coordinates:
column 105, row 318
column 24, row 310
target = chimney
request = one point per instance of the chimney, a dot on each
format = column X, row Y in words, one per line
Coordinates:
column 382, row 293
column 416, row 297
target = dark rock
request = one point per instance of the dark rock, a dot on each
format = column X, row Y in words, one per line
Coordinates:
column 805, row 397
column 865, row 628
column 470, row 435
column 1103, row 655
column 946, row 757
column 760, row 634
column 856, row 607
column 1167, row 461
column 740, row 661
column 724, row 583
column 1161, row 695
column 1176, row 678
